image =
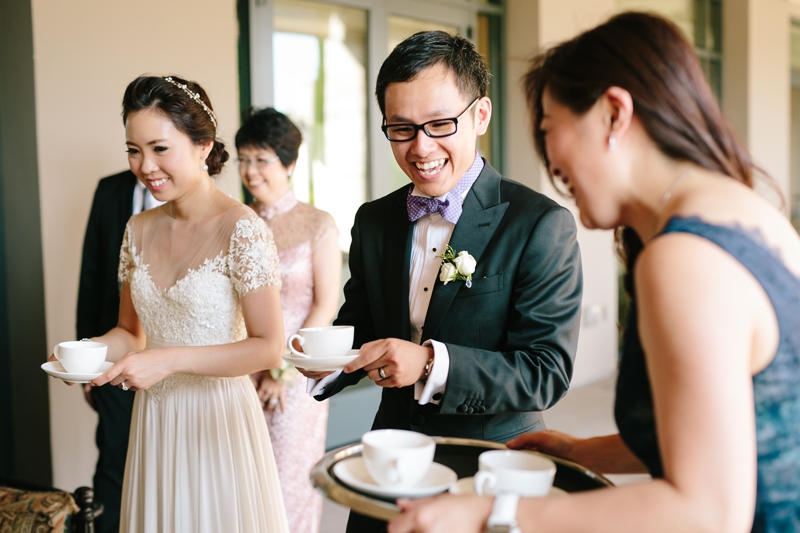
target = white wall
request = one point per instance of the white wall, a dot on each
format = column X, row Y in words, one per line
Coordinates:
column 86, row 52
column 531, row 25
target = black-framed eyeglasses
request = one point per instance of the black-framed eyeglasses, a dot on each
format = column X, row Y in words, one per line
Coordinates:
column 440, row 127
column 259, row 163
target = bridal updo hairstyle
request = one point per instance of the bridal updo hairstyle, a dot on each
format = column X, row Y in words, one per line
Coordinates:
column 188, row 115
column 649, row 57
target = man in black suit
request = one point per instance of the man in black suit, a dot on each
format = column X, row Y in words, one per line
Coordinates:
column 477, row 358
column 117, row 198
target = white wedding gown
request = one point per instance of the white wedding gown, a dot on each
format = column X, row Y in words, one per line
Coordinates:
column 199, row 455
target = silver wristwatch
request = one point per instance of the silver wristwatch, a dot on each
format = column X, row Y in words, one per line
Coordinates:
column 504, row 514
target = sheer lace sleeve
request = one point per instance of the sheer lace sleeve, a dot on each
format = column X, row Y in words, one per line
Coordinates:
column 252, row 256
column 324, row 226
column 125, row 256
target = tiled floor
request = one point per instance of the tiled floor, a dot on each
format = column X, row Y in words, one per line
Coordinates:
column 585, row 412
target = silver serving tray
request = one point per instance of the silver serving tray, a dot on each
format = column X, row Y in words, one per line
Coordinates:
column 322, row 477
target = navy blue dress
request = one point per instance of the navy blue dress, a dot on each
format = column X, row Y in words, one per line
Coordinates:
column 776, row 388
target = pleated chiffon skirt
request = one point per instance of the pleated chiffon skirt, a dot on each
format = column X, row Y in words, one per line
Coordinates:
column 200, row 460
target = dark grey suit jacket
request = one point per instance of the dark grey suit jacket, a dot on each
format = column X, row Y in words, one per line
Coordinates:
column 511, row 336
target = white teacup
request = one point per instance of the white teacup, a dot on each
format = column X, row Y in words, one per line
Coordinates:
column 81, row 357
column 397, row 458
column 328, row 341
column 515, row 471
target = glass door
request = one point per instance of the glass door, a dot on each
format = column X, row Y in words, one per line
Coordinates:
column 319, row 58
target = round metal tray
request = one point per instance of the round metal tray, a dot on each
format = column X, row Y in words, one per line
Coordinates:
column 459, row 454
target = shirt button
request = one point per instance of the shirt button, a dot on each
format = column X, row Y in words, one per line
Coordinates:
column 425, row 289
column 437, row 396
column 434, row 249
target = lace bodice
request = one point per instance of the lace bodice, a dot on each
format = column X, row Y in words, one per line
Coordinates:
column 203, row 306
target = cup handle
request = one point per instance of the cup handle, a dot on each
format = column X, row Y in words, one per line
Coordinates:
column 484, row 482
column 290, row 342
column 401, row 465
column 55, row 352
column 394, row 472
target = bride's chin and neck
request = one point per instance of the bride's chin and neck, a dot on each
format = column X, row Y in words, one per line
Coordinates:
column 195, row 201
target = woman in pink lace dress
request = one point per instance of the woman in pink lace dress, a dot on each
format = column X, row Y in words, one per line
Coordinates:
column 310, row 264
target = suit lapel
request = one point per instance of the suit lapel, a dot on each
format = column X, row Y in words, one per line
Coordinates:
column 480, row 217
column 396, row 266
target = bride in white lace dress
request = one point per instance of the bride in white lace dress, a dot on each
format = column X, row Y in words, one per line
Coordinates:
column 200, row 311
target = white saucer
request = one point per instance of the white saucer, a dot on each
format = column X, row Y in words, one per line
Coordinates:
column 321, row 364
column 466, row 485
column 353, row 472
column 55, row 369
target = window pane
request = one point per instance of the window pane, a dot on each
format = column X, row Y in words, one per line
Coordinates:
column 320, row 56
column 681, row 12
column 402, row 27
column 490, row 33
column 700, row 21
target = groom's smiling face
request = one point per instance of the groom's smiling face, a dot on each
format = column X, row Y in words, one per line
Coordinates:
column 435, row 165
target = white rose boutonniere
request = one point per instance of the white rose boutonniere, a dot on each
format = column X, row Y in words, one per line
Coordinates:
column 448, row 273
column 465, row 264
column 457, row 267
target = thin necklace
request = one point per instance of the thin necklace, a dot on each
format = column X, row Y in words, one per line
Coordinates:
column 665, row 198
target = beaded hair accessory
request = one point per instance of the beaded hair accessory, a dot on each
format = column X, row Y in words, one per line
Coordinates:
column 195, row 97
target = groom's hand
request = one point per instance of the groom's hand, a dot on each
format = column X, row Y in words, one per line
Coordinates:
column 392, row 362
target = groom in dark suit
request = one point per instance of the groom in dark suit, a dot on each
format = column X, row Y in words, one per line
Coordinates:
column 474, row 358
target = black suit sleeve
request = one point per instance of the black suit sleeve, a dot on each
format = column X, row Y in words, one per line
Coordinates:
column 533, row 369
column 355, row 310
column 90, row 288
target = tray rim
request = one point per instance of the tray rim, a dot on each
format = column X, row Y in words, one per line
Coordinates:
column 324, row 481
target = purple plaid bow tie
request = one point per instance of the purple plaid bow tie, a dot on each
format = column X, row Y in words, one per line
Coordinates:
column 419, row 206
column 450, row 208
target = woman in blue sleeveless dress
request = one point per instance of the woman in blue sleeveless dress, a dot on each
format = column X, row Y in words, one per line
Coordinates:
column 708, row 400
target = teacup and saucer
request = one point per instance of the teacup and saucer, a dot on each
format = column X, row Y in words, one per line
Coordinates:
column 324, row 348
column 510, row 471
column 395, row 464
column 78, row 361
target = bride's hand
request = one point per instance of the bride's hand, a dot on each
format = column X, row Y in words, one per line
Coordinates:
column 138, row 370
column 271, row 393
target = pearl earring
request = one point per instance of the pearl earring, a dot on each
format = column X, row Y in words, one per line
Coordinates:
column 204, row 167
column 612, row 141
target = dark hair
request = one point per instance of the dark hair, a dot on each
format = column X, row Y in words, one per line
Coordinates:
column 268, row 128
column 428, row 48
column 649, row 57
column 188, row 116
